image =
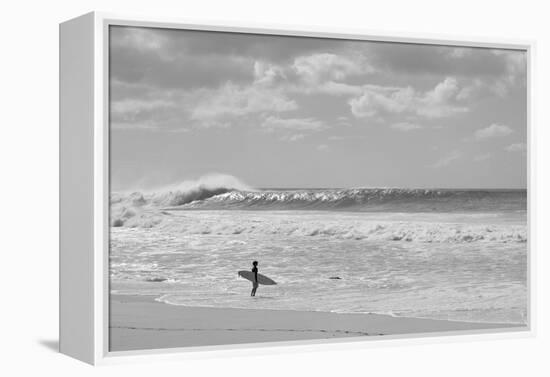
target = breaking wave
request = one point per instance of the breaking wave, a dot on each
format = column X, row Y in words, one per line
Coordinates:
column 127, row 205
column 372, row 200
column 164, row 208
column 349, row 229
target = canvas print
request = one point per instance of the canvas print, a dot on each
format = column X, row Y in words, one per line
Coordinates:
column 268, row 188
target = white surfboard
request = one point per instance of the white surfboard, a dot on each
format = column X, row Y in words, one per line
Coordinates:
column 262, row 279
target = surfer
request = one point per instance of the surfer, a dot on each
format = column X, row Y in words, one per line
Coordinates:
column 255, row 281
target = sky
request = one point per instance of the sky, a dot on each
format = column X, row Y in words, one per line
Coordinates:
column 289, row 112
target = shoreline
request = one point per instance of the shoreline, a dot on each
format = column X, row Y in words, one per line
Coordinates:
column 138, row 322
column 155, row 297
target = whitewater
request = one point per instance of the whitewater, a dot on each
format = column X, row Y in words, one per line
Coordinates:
column 431, row 253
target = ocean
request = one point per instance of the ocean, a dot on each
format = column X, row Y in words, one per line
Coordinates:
column 427, row 253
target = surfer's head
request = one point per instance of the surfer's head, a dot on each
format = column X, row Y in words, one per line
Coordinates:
column 255, row 263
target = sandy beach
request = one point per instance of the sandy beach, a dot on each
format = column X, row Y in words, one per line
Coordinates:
column 140, row 322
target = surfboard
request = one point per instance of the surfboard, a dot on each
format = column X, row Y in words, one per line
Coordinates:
column 262, row 279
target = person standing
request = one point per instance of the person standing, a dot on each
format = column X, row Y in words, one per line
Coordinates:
column 255, row 282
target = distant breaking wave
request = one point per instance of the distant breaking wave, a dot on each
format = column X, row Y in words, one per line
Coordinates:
column 360, row 199
column 158, row 209
column 127, row 205
column 183, row 193
column 216, row 194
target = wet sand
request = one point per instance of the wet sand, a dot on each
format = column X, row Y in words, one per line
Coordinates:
column 140, row 322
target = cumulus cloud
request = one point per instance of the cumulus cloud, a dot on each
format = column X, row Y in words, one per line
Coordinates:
column 329, row 88
column 155, row 114
column 138, row 38
column 515, row 63
column 318, row 73
column 235, row 100
column 441, row 101
column 266, row 73
column 162, row 79
column 173, row 59
column 322, row 67
column 446, row 160
column 377, row 99
column 323, row 73
column 492, row 131
column 513, row 74
column 516, row 147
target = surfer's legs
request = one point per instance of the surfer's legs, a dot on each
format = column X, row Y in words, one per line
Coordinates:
column 254, row 287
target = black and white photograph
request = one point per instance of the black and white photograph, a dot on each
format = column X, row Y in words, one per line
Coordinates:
column 274, row 188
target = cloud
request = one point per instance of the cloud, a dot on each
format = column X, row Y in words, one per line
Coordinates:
column 155, row 113
column 266, row 73
column 205, row 107
column 323, row 73
column 489, row 71
column 169, row 59
column 446, row 160
column 377, row 99
column 435, row 61
column 483, row 157
column 171, row 79
column 234, row 100
column 301, row 124
column 510, row 72
column 439, row 102
column 325, row 67
column 515, row 72
column 492, row 131
column 516, row 147
column 328, row 87
column 138, row 38
column 405, row 126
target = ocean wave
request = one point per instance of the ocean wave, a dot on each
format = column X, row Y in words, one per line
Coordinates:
column 331, row 227
column 210, row 197
column 126, row 206
column 387, row 199
column 154, row 209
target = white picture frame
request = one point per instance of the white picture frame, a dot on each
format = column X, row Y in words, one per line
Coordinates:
column 84, row 168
